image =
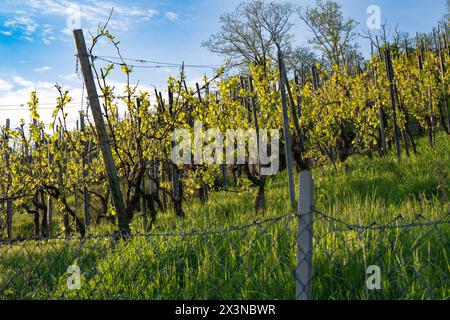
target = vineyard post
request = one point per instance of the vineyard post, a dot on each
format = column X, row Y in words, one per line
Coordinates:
column 61, row 170
column 255, row 122
column 299, row 97
column 86, row 198
column 163, row 167
column 380, row 117
column 108, row 159
column 432, row 120
column 445, row 118
column 141, row 159
column 304, row 272
column 292, row 101
column 203, row 186
column 144, row 203
column 152, row 187
column 49, row 199
column 390, row 75
column 176, row 173
column 287, row 136
column 9, row 208
column 261, row 202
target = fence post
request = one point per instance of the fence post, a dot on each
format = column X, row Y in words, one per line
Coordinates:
column 49, row 198
column 303, row 271
column 287, row 135
column 110, row 166
column 9, row 207
column 392, row 88
column 85, row 161
column 62, row 169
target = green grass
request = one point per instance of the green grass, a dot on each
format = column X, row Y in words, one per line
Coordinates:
column 258, row 263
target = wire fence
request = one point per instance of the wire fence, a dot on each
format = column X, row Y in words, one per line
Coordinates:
column 403, row 259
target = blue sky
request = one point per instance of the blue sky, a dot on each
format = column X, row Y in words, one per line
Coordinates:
column 37, row 49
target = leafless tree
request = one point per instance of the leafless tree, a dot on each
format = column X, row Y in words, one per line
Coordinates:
column 298, row 57
column 333, row 34
column 253, row 31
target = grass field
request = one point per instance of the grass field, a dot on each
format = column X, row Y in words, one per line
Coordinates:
column 258, row 262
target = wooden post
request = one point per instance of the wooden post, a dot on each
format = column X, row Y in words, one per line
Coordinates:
column 86, row 196
column 176, row 172
column 295, row 118
column 287, row 135
column 49, row 199
column 390, row 75
column 305, row 237
column 144, row 204
column 61, row 170
column 152, row 174
column 299, row 97
column 100, row 127
column 143, row 185
column 381, row 117
column 431, row 119
column 9, row 208
column 445, row 117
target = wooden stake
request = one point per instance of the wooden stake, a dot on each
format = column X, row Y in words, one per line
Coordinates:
column 9, row 208
column 287, row 134
column 86, row 196
column 390, row 75
column 100, row 127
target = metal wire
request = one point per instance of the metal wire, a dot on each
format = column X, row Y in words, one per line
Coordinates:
column 254, row 260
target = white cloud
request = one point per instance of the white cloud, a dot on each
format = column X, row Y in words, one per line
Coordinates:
column 23, row 24
column 152, row 13
column 16, row 98
column 69, row 77
column 27, row 28
column 171, row 16
column 90, row 14
column 5, row 86
column 28, row 38
column 22, row 82
column 48, row 40
column 43, row 69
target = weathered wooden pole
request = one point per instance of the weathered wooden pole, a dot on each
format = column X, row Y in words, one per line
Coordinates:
column 287, row 134
column 380, row 116
column 110, row 166
column 175, row 173
column 445, row 113
column 9, row 207
column 143, row 185
column 49, row 198
column 86, row 196
column 390, row 75
column 61, row 170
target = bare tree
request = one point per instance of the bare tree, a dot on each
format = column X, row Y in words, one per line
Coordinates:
column 333, row 34
column 252, row 31
column 298, row 57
